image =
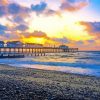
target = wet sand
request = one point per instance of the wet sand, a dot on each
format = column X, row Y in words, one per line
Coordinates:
column 35, row 84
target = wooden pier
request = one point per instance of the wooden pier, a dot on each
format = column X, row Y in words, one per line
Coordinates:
column 29, row 51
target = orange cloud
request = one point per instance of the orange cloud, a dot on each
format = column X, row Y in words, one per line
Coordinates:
column 93, row 28
column 40, row 37
column 73, row 5
column 3, row 2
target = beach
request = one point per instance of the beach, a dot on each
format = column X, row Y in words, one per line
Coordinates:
column 36, row 84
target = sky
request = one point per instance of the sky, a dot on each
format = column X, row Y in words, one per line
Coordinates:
column 75, row 23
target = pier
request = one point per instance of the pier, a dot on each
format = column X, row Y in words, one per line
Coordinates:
column 14, row 52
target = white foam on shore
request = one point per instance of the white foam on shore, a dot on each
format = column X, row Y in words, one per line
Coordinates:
column 58, row 68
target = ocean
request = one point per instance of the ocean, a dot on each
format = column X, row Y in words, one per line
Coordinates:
column 85, row 63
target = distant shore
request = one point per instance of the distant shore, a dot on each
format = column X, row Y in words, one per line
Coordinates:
column 36, row 84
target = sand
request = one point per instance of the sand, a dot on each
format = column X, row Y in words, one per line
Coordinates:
column 35, row 84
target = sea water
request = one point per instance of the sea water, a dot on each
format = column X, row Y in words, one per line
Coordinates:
column 85, row 63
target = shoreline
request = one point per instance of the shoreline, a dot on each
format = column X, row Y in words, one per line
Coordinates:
column 58, row 71
column 18, row 83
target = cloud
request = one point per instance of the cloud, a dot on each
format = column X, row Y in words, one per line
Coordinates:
column 95, row 26
column 18, row 19
column 11, row 36
column 2, row 32
column 80, row 42
column 15, row 15
column 38, row 34
column 50, row 12
column 61, row 40
column 3, row 6
column 45, row 39
column 2, row 27
column 43, row 8
column 14, row 8
column 91, row 41
column 21, row 27
column 39, row 7
column 2, row 10
column 8, row 33
column 92, row 27
column 73, row 5
column 3, row 2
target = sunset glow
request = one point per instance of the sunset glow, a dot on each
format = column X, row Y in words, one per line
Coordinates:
column 75, row 23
